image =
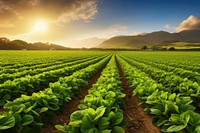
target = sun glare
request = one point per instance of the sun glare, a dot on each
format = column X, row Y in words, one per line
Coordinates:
column 41, row 26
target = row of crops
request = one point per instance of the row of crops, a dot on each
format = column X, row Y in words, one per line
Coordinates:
column 35, row 84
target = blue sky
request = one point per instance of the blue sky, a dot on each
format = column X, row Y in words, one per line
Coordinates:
column 145, row 15
column 132, row 17
column 62, row 21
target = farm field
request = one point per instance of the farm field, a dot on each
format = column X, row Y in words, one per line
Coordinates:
column 99, row 92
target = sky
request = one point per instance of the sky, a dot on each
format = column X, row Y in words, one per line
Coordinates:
column 63, row 21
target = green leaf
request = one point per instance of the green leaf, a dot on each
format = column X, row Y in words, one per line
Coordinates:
column 35, row 113
column 105, row 103
column 194, row 118
column 44, row 109
column 61, row 128
column 156, row 111
column 197, row 129
column 8, row 105
column 2, row 102
column 175, row 118
column 100, row 111
column 118, row 129
column 161, row 121
column 53, row 106
column 17, row 118
column 176, row 128
column 30, row 108
column 86, row 124
column 77, row 115
column 111, row 115
column 25, row 129
column 6, row 97
column 7, row 122
column 105, row 131
column 18, row 108
column 91, row 112
column 76, row 123
column 110, row 94
column 118, row 118
column 164, row 95
column 82, row 106
column 38, row 121
column 177, row 122
column 172, row 97
column 93, row 130
column 103, row 123
column 26, row 120
column 172, row 107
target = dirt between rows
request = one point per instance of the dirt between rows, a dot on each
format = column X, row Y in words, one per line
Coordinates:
column 138, row 121
column 63, row 116
column 3, row 110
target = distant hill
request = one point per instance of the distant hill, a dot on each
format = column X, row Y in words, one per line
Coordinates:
column 86, row 43
column 191, row 35
column 6, row 44
column 158, row 38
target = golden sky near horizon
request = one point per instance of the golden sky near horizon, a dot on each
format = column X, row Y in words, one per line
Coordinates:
column 64, row 21
column 43, row 19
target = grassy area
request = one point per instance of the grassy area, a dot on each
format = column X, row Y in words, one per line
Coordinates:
column 182, row 45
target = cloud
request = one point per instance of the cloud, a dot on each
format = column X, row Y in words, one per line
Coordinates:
column 168, row 26
column 21, row 13
column 192, row 22
column 8, row 12
column 84, row 11
column 6, row 24
column 115, row 29
column 112, row 30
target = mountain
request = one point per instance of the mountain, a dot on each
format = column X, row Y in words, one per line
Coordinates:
column 6, row 44
column 86, row 43
column 158, row 38
column 191, row 35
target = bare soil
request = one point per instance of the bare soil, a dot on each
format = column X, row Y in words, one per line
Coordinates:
column 3, row 110
column 63, row 116
column 138, row 121
column 197, row 110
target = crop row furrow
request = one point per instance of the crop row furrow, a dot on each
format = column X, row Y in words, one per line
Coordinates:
column 48, row 63
column 27, row 113
column 101, row 110
column 176, row 84
column 4, row 77
column 193, row 76
column 191, row 67
column 185, row 60
column 172, row 112
column 29, row 84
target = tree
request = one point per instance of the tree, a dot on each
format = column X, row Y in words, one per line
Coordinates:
column 4, row 40
column 171, row 49
column 144, row 48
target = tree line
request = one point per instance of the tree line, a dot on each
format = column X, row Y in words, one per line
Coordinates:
column 6, row 44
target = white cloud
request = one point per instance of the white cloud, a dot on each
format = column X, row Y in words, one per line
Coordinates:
column 85, row 11
column 115, row 29
column 111, row 31
column 192, row 22
column 168, row 26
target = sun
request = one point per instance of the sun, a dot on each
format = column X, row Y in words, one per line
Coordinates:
column 41, row 26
